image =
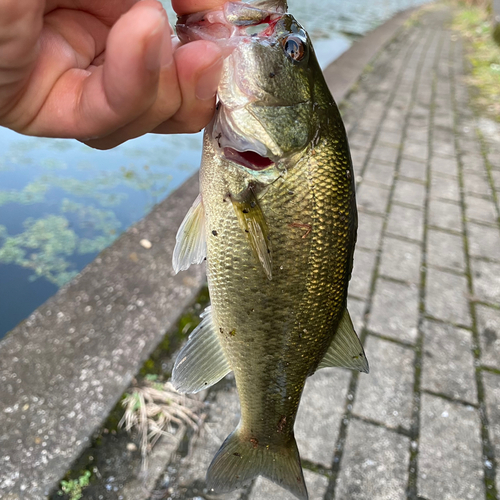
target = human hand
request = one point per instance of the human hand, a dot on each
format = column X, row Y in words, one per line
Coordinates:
column 101, row 71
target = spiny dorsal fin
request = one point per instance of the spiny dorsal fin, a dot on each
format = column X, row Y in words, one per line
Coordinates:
column 191, row 246
column 346, row 350
column 253, row 222
column 201, row 362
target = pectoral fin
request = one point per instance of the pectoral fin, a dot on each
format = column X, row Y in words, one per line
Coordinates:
column 190, row 247
column 346, row 350
column 201, row 362
column 253, row 222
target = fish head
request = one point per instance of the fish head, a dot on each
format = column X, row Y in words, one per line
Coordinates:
column 267, row 106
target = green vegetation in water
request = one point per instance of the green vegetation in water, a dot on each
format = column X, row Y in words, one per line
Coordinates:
column 74, row 487
column 475, row 24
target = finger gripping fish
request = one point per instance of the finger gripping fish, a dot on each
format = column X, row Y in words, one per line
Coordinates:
column 276, row 220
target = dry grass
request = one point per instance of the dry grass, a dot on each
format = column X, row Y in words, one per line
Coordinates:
column 153, row 410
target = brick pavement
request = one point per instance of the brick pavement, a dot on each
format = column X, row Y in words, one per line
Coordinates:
column 425, row 297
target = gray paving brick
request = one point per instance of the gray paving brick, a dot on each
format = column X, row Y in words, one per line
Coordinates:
column 411, row 193
column 484, row 241
column 492, row 394
column 448, row 362
column 480, row 210
column 406, row 222
column 445, row 250
column 445, row 215
column 394, row 311
column 444, row 188
column 441, row 147
column 361, row 139
column 374, row 465
column 369, row 231
column 477, row 184
column 390, row 137
column 472, row 162
column 379, row 172
column 488, row 325
column 400, row 260
column 450, row 452
column 413, row 169
column 486, row 281
column 372, row 198
column 358, row 157
column 385, row 396
column 356, row 310
column 444, row 165
column 265, row 489
column 418, row 150
column 417, row 135
column 384, row 153
column 320, row 413
column 446, row 297
column 495, row 174
column 364, row 264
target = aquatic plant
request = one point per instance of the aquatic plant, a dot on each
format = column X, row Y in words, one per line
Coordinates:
column 74, row 487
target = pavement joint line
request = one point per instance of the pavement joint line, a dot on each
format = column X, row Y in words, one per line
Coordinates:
column 396, row 430
column 412, row 485
column 401, row 343
column 490, row 488
column 448, row 270
column 395, row 280
column 351, row 393
column 450, row 399
column 489, row 369
column 445, row 230
column 407, row 205
column 429, row 317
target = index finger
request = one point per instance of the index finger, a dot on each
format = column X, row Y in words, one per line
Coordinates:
column 183, row 7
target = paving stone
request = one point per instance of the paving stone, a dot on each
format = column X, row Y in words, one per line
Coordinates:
column 379, row 173
column 445, row 250
column 374, row 464
column 492, row 395
column 400, row 260
column 372, row 198
column 444, row 148
column 364, row 264
column 480, row 210
column 446, row 297
column 320, row 413
column 384, row 153
column 472, row 162
column 448, row 362
column 444, row 165
column 484, row 241
column 390, row 137
column 444, row 188
column 411, row 193
column 488, row 325
column 369, row 231
column 445, row 215
column 356, row 310
column 265, row 489
column 450, row 453
column 394, row 311
column 417, row 134
column 358, row 157
column 477, row 184
column 385, row 396
column 413, row 169
column 406, row 222
column 418, row 150
column 486, row 281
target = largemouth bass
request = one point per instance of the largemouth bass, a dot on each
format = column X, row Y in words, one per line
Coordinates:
column 276, row 220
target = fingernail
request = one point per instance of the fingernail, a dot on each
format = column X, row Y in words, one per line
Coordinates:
column 206, row 87
column 156, row 42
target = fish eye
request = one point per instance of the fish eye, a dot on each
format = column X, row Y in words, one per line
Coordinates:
column 294, row 48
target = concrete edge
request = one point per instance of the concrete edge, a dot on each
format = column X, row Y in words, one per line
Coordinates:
column 60, row 376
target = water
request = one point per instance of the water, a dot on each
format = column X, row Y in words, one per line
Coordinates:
column 61, row 202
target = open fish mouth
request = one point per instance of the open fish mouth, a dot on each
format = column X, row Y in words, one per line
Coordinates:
column 248, row 159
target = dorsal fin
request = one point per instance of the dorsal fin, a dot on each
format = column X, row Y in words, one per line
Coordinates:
column 346, row 350
column 201, row 362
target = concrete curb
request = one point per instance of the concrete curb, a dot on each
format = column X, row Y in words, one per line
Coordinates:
column 64, row 368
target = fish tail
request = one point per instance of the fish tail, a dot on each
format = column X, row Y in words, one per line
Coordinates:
column 239, row 460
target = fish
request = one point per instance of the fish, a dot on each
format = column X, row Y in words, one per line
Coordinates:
column 276, row 221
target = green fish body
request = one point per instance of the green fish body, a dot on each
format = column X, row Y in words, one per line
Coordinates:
column 276, row 220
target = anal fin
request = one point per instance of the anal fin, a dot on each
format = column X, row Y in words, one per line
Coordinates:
column 190, row 247
column 346, row 350
column 253, row 222
column 201, row 362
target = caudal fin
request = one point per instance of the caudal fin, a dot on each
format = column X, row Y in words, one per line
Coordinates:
column 238, row 461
